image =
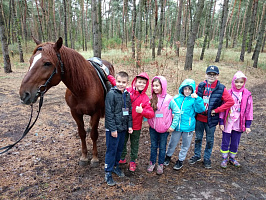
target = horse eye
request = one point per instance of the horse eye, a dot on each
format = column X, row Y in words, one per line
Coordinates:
column 47, row 64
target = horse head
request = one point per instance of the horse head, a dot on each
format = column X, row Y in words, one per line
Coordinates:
column 43, row 73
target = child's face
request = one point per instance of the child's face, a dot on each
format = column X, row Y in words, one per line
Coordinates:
column 239, row 83
column 211, row 77
column 157, row 88
column 140, row 84
column 121, row 83
column 187, row 91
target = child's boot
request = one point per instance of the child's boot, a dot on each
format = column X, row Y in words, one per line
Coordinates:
column 132, row 166
column 225, row 160
column 232, row 160
column 109, row 179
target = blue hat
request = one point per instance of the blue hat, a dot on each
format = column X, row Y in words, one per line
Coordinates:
column 213, row 69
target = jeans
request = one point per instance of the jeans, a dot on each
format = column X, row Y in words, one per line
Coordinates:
column 134, row 145
column 199, row 129
column 174, row 140
column 158, row 140
column 231, row 139
column 114, row 148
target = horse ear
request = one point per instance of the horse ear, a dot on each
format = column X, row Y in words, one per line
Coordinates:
column 58, row 44
column 36, row 41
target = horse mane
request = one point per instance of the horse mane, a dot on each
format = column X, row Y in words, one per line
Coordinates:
column 74, row 64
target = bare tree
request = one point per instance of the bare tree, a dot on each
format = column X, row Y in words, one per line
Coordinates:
column 17, row 32
column 7, row 64
column 222, row 29
column 255, row 56
column 207, row 31
column 161, row 30
column 252, row 25
column 96, row 33
column 133, row 39
column 155, row 28
column 242, row 54
column 192, row 36
column 139, row 31
column 178, row 26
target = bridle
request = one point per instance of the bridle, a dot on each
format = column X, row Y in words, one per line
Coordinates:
column 40, row 92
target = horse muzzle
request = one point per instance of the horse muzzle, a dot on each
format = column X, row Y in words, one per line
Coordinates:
column 27, row 98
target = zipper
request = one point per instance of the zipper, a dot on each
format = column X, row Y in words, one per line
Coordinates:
column 181, row 113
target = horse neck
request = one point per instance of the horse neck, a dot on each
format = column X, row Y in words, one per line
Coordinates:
column 77, row 75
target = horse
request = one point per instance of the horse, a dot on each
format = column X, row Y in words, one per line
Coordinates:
column 52, row 63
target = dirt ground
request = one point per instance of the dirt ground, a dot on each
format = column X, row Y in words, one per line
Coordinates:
column 44, row 165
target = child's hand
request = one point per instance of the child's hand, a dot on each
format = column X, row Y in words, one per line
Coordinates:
column 213, row 113
column 170, row 130
column 130, row 130
column 221, row 127
column 139, row 108
column 248, row 130
column 114, row 134
column 194, row 95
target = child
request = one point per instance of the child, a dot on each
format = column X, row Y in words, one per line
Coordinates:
column 162, row 123
column 140, row 108
column 190, row 104
column 236, row 120
column 213, row 94
column 118, row 120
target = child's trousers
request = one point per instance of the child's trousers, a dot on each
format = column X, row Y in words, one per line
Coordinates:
column 230, row 141
column 134, row 145
column 114, row 148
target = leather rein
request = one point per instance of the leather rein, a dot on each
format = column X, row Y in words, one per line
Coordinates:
column 41, row 91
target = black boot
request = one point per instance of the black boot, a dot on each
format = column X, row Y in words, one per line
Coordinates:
column 109, row 179
column 178, row 165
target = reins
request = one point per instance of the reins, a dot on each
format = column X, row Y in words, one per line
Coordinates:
column 41, row 91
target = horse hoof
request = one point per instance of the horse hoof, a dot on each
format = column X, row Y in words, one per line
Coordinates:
column 94, row 164
column 83, row 163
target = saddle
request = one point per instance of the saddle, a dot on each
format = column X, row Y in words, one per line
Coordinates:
column 102, row 72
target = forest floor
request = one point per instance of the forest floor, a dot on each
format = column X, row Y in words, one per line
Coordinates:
column 44, row 165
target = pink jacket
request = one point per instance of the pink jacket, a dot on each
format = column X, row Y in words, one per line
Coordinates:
column 165, row 106
column 246, row 106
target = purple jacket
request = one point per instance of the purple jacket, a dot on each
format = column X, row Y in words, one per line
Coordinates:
column 246, row 107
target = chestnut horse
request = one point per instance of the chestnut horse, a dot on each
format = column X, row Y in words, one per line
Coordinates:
column 51, row 63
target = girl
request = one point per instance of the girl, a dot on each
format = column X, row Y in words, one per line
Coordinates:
column 236, row 120
column 190, row 104
column 162, row 123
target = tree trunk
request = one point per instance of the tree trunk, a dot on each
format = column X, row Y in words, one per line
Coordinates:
column 242, row 54
column 223, row 26
column 96, row 34
column 155, row 28
column 237, row 26
column 17, row 32
column 160, row 45
column 252, row 25
column 65, row 23
column 178, row 27
column 192, row 36
column 7, row 64
column 255, row 56
column 139, row 31
column 134, row 18
column 207, row 31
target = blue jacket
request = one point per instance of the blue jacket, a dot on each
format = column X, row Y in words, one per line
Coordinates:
column 189, row 107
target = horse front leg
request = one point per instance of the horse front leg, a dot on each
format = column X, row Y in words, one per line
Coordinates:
column 94, row 136
column 82, row 134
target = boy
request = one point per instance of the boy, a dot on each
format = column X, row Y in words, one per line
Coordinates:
column 118, row 120
column 213, row 94
column 140, row 108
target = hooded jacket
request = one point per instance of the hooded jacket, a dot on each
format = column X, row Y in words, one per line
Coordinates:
column 246, row 105
column 115, row 101
column 138, row 98
column 188, row 107
column 166, row 106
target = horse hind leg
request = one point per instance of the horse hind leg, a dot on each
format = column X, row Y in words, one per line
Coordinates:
column 82, row 134
column 94, row 136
